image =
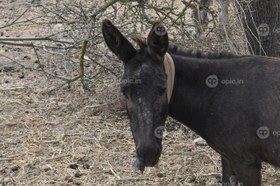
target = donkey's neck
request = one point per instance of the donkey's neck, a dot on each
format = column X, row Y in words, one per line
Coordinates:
column 195, row 53
column 191, row 97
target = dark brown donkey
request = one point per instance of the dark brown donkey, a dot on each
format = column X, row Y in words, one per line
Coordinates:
column 233, row 102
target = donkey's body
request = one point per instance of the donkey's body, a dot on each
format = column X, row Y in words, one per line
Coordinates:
column 228, row 116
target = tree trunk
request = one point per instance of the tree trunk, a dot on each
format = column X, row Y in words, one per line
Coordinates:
column 261, row 22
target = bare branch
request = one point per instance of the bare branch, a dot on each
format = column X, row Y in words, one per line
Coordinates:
column 48, row 38
column 20, row 16
column 104, row 7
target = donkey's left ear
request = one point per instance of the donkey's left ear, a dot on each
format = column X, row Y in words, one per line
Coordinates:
column 158, row 39
column 117, row 43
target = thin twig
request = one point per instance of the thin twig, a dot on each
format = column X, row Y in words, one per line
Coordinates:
column 7, row 159
column 99, row 64
column 104, row 7
column 48, row 38
column 14, row 61
column 21, row 15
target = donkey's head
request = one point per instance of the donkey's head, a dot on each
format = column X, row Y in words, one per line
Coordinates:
column 144, row 85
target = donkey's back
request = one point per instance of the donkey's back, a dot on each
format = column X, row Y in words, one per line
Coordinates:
column 233, row 102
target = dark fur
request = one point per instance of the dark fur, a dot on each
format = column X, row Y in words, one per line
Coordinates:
column 195, row 53
column 227, row 116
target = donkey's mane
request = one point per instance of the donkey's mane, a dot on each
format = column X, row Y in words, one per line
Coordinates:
column 194, row 53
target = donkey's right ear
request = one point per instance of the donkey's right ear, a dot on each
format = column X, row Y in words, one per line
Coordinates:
column 117, row 43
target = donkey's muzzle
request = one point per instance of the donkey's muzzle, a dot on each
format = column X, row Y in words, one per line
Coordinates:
column 148, row 154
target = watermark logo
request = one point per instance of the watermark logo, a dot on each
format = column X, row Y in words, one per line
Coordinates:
column 160, row 30
column 131, row 81
column 212, row 81
column 232, row 81
column 263, row 132
column 111, row 81
column 159, row 131
column 263, row 29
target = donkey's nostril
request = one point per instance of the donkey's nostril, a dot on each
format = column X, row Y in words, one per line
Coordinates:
column 148, row 153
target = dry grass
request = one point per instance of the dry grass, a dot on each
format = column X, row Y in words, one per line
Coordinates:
column 44, row 133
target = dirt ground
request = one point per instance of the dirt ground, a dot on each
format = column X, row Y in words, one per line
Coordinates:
column 72, row 136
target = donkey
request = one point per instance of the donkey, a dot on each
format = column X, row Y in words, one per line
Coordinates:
column 233, row 102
